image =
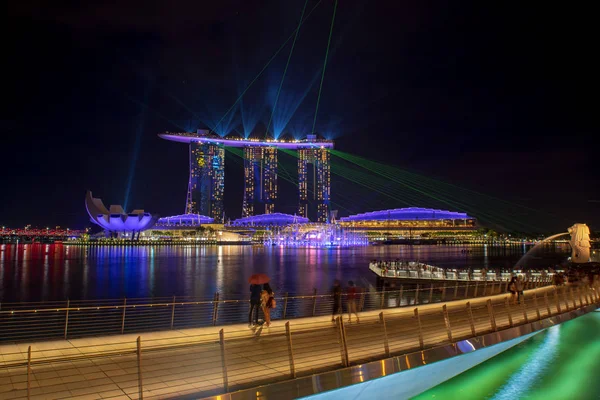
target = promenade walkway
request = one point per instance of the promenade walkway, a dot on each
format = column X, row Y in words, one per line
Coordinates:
column 207, row 361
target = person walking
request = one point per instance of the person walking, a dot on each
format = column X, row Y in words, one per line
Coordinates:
column 267, row 302
column 512, row 288
column 255, row 291
column 519, row 286
column 351, row 292
column 337, row 299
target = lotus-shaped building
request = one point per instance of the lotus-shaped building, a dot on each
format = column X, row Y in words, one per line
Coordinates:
column 115, row 220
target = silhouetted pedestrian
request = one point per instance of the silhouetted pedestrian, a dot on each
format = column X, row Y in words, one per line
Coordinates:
column 255, row 291
column 337, row 299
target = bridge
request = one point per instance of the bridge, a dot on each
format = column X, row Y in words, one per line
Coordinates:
column 222, row 359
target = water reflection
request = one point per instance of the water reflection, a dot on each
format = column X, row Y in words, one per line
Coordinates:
column 56, row 272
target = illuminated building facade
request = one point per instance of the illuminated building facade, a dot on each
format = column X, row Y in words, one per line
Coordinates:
column 207, row 179
column 319, row 157
column 260, row 179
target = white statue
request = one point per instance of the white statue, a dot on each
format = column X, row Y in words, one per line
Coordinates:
column 580, row 243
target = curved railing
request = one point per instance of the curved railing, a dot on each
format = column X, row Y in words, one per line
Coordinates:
column 217, row 360
column 73, row 319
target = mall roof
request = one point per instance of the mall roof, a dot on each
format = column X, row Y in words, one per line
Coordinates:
column 274, row 219
column 406, row 214
column 186, row 219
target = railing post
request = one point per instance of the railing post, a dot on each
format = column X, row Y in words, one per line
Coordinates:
column 67, row 318
column 223, row 361
column 572, row 297
column 447, row 322
column 416, row 295
column 492, row 316
column 579, row 295
column 399, row 302
column 430, row 294
column 506, row 286
column 537, row 308
column 386, row 345
column 314, row 307
column 123, row 317
column 216, row 308
column 28, row 372
column 508, row 312
column 421, row 343
column 285, row 301
column 382, row 298
column 139, row 368
column 471, row 320
column 524, row 309
column 467, row 289
column 476, row 287
column 343, row 348
column 547, row 303
column 288, row 334
column 456, row 287
column 557, row 301
column 361, row 306
column 444, row 293
column 173, row 313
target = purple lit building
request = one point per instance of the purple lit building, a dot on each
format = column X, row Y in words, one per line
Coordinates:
column 411, row 221
column 207, row 178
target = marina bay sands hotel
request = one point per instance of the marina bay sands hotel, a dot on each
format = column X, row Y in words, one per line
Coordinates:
column 207, row 173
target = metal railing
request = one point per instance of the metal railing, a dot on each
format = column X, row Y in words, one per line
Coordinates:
column 73, row 319
column 224, row 361
column 428, row 272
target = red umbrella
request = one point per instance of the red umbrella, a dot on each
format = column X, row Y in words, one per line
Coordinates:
column 258, row 279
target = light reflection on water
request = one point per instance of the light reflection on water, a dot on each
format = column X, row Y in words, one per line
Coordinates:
column 56, row 272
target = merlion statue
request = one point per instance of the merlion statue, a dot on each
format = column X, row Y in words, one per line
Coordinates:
column 580, row 243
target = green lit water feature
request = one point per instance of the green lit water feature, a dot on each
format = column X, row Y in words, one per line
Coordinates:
column 561, row 362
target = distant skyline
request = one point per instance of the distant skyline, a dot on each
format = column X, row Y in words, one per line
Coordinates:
column 496, row 98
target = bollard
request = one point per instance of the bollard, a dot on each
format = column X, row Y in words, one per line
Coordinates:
column 123, row 317
column 447, row 322
column 285, row 301
column 386, row 345
column 537, row 308
column 471, row 320
column 67, row 318
column 314, row 307
column 173, row 313
column 492, row 316
column 216, row 309
column 139, row 362
column 223, row 360
column 508, row 312
column 421, row 344
column 430, row 294
column 28, row 372
column 288, row 334
column 547, row 303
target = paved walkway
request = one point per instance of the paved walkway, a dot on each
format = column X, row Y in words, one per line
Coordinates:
column 188, row 362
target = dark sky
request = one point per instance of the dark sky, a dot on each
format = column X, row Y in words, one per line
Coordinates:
column 497, row 97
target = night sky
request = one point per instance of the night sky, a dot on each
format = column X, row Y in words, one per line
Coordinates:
column 497, row 98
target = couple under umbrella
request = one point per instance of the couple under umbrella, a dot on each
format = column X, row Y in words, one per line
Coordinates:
column 261, row 295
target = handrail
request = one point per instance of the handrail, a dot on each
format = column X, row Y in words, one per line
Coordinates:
column 73, row 319
column 216, row 362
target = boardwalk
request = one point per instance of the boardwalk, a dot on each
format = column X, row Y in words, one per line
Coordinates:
column 212, row 360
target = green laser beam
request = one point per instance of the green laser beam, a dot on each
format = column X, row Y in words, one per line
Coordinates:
column 324, row 66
